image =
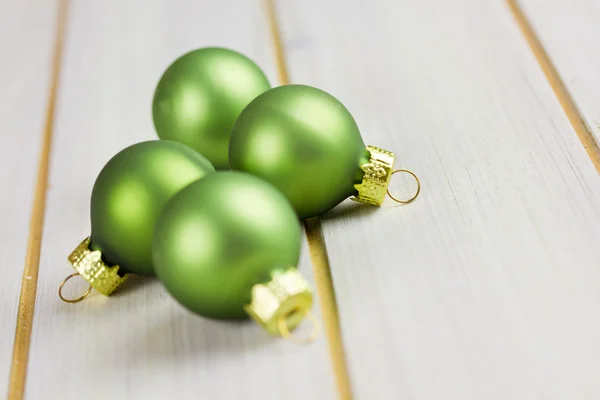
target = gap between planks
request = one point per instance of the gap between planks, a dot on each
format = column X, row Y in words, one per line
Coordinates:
column 560, row 91
column 317, row 247
column 20, row 356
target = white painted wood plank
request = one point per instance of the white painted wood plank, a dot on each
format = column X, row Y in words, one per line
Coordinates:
column 570, row 34
column 488, row 286
column 139, row 344
column 26, row 43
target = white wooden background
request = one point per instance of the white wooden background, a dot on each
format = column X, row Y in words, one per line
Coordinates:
column 486, row 287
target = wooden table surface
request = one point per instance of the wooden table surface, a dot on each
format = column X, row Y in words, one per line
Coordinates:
column 486, row 287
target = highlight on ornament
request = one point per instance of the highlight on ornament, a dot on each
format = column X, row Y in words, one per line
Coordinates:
column 306, row 143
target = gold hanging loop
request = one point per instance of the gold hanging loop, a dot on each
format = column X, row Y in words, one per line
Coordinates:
column 284, row 330
column 77, row 300
column 418, row 187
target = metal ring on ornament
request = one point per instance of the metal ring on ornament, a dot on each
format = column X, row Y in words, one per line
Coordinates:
column 418, row 187
column 284, row 330
column 78, row 299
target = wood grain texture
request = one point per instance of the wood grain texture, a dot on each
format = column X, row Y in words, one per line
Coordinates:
column 569, row 32
column 26, row 42
column 139, row 344
column 487, row 286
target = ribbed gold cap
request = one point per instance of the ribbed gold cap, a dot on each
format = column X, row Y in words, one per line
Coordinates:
column 378, row 171
column 287, row 295
column 90, row 266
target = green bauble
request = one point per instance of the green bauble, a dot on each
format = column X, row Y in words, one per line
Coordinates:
column 131, row 191
column 219, row 238
column 305, row 142
column 200, row 96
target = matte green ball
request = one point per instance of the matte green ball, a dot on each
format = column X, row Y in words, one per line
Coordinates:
column 219, row 237
column 303, row 141
column 200, row 96
column 129, row 194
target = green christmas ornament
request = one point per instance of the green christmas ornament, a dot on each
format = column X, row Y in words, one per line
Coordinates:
column 127, row 198
column 307, row 144
column 200, row 96
column 227, row 246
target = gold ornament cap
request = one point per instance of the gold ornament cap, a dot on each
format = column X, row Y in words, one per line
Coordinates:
column 377, row 174
column 286, row 297
column 105, row 279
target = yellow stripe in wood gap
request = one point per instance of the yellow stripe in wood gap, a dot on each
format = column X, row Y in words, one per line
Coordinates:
column 317, row 249
column 329, row 310
column 18, row 372
column 560, row 91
